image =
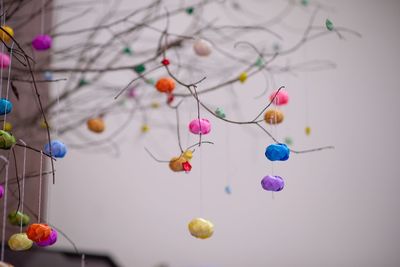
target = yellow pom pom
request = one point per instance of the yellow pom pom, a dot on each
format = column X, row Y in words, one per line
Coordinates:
column 243, row 77
column 8, row 127
column 43, row 125
column 201, row 228
column 307, row 130
column 19, row 242
column 145, row 128
column 96, row 125
column 4, row 36
column 155, row 105
column 188, row 154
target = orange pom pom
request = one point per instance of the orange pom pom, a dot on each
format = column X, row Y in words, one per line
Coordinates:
column 165, row 85
column 38, row 232
column 96, row 125
column 273, row 116
column 175, row 163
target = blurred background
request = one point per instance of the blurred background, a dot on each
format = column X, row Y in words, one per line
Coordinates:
column 339, row 207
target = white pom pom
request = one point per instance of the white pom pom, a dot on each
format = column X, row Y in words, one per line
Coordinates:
column 202, row 47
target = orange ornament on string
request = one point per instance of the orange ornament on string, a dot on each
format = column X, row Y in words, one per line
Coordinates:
column 273, row 116
column 175, row 164
column 38, row 232
column 165, row 85
column 96, row 125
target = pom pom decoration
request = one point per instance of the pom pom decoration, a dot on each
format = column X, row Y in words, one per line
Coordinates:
column 145, row 128
column 4, row 264
column 201, row 228
column 202, row 47
column 8, row 127
column 132, row 92
column 5, row 106
column 1, row 191
column 276, row 152
column 281, row 97
column 165, row 62
column 272, row 183
column 38, row 232
column 18, row 218
column 176, row 163
column 220, row 113
column 51, row 240
column 5, row 61
column 3, row 34
column 165, row 85
column 186, row 166
column 188, row 154
column 19, row 242
column 273, row 116
column 42, row 42
column 96, row 125
column 139, row 68
column 228, row 190
column 58, row 149
column 307, row 130
column 288, row 141
column 7, row 140
column 200, row 126
column 243, row 77
column 329, row 25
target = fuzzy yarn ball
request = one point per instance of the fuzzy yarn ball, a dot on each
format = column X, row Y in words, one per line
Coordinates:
column 200, row 126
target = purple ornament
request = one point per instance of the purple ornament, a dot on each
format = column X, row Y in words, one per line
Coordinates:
column 200, row 126
column 132, row 92
column 50, row 240
column 42, row 42
column 272, row 183
column 1, row 191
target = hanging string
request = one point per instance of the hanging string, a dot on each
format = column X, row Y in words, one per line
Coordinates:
column 200, row 181
column 8, row 85
column 3, row 240
column 40, row 184
column 83, row 261
column 3, row 12
column 42, row 18
column 23, row 182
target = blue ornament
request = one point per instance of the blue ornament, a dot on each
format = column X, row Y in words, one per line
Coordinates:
column 228, row 190
column 58, row 149
column 48, row 76
column 5, row 106
column 277, row 152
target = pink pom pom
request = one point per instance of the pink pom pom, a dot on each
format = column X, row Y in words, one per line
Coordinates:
column 132, row 92
column 42, row 42
column 4, row 61
column 282, row 97
column 200, row 126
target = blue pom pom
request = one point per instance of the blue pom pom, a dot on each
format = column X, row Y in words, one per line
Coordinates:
column 277, row 152
column 58, row 149
column 5, row 106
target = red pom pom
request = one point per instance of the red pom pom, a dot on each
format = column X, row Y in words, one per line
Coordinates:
column 165, row 62
column 170, row 98
column 186, row 166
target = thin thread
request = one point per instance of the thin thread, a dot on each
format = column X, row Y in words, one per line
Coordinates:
column 23, row 182
column 42, row 17
column 58, row 110
column 3, row 240
column 2, row 49
column 8, row 86
column 40, row 184
column 83, row 261
column 200, row 182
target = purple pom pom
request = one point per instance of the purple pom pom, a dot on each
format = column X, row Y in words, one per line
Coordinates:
column 50, row 240
column 1, row 191
column 272, row 183
column 42, row 42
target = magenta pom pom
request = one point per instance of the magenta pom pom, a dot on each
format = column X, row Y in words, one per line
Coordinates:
column 49, row 241
column 282, row 97
column 42, row 42
column 132, row 92
column 200, row 126
column 5, row 61
column 1, row 191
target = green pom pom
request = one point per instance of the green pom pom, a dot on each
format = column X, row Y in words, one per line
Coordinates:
column 139, row 68
column 151, row 81
column 82, row 82
column 288, row 141
column 7, row 140
column 329, row 25
column 305, row 2
column 16, row 218
column 127, row 51
column 220, row 113
column 260, row 62
column 189, row 10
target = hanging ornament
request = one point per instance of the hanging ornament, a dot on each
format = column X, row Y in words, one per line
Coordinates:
column 176, row 163
column 165, row 62
column 7, row 140
column 3, row 33
column 139, row 68
column 281, row 97
column 276, row 152
column 51, row 240
column 228, row 190
column 58, row 149
column 96, row 125
column 260, row 62
column 132, row 92
column 5, row 61
column 272, row 183
column 273, row 116
column 201, row 228
column 48, row 76
column 19, row 242
column 186, row 166
column 1, row 191
column 202, row 47
column 5, row 106
column 127, row 51
column 18, row 218
column 200, row 126
column 329, row 25
column 220, row 113
column 288, row 141
column 38, row 232
column 189, row 10
column 82, row 82
column 165, row 85
column 42, row 42
column 188, row 154
column 145, row 128
column 8, row 126
column 170, row 99
column 307, row 130
column 243, row 77
column 155, row 105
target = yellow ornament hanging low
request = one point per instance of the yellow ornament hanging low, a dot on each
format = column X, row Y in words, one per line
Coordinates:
column 4, row 36
column 19, row 242
column 201, row 228
column 8, row 127
column 243, row 77
column 307, row 130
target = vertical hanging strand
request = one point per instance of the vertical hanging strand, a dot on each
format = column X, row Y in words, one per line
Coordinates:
column 200, row 182
column 23, row 182
column 8, row 85
column 83, row 263
column 40, row 184
column 42, row 17
column 3, row 22
column 3, row 231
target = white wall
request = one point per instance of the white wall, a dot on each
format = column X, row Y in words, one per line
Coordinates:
column 339, row 208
